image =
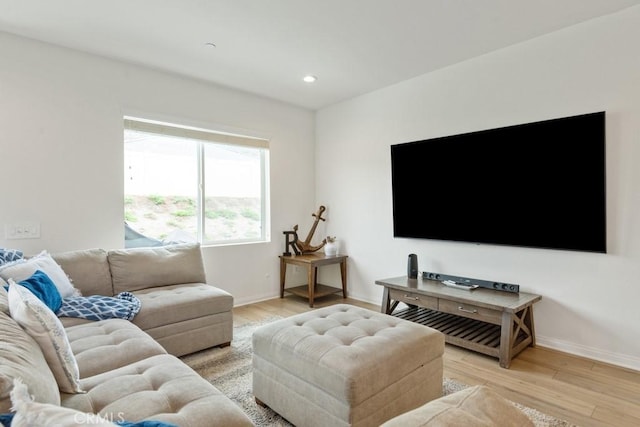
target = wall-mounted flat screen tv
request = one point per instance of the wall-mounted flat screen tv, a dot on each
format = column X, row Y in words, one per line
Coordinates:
column 539, row 185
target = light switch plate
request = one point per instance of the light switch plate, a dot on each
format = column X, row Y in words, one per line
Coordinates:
column 22, row 230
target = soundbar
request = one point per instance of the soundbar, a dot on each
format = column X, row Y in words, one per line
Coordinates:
column 498, row 286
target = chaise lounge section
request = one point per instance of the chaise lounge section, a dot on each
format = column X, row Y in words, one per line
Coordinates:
column 179, row 309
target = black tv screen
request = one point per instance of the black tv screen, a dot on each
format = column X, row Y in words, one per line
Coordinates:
column 538, row 185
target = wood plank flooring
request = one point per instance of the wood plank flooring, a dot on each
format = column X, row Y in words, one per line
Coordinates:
column 582, row 391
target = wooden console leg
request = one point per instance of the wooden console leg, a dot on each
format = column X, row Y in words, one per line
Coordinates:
column 343, row 276
column 386, row 301
column 311, row 278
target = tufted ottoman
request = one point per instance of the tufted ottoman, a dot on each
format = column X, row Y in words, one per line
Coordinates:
column 345, row 365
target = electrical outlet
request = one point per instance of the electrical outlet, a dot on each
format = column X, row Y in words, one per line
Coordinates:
column 22, row 230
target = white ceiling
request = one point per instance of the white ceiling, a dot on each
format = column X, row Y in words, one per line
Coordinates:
column 266, row 46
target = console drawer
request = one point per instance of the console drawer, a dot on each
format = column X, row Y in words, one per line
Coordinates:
column 414, row 299
column 471, row 311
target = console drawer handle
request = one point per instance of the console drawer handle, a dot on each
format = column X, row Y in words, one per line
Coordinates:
column 461, row 308
column 410, row 297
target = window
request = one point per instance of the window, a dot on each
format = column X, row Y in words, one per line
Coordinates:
column 185, row 184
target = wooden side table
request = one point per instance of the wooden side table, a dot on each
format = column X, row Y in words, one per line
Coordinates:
column 312, row 261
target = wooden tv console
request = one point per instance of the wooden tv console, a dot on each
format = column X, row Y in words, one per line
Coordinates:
column 496, row 323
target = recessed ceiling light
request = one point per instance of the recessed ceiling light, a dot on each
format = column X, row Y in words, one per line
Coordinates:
column 309, row 78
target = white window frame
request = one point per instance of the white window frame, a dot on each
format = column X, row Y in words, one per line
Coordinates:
column 203, row 136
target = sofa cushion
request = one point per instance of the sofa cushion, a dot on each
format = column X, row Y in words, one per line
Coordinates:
column 29, row 413
column 142, row 268
column 45, row 328
column 474, row 406
column 88, row 270
column 172, row 304
column 109, row 344
column 24, row 268
column 4, row 302
column 22, row 358
column 160, row 388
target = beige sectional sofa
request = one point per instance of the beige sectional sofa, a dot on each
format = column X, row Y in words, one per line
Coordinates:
column 129, row 370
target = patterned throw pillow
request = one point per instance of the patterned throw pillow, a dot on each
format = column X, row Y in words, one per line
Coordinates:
column 9, row 255
column 45, row 328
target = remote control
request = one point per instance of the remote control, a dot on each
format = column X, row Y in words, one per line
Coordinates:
column 453, row 284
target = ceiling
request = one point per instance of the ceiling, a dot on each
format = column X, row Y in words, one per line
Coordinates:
column 265, row 47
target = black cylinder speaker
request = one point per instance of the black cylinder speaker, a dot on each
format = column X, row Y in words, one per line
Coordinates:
column 412, row 266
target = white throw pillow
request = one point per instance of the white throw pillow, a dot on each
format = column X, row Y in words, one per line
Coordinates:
column 45, row 328
column 29, row 413
column 23, row 269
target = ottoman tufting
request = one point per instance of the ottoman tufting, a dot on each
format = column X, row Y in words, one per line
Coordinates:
column 344, row 365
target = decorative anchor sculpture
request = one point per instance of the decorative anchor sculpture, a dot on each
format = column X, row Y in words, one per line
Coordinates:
column 305, row 247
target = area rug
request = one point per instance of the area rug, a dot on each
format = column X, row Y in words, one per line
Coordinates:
column 229, row 370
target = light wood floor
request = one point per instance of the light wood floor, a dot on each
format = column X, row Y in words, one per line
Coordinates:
column 582, row 391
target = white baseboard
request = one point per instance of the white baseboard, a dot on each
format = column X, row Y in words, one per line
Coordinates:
column 237, row 302
column 624, row 360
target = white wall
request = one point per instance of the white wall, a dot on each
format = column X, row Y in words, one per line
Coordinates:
column 590, row 301
column 61, row 153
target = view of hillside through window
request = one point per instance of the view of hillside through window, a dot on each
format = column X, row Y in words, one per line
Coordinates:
column 163, row 201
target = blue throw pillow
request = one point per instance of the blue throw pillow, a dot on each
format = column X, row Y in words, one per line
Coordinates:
column 5, row 419
column 149, row 423
column 43, row 287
